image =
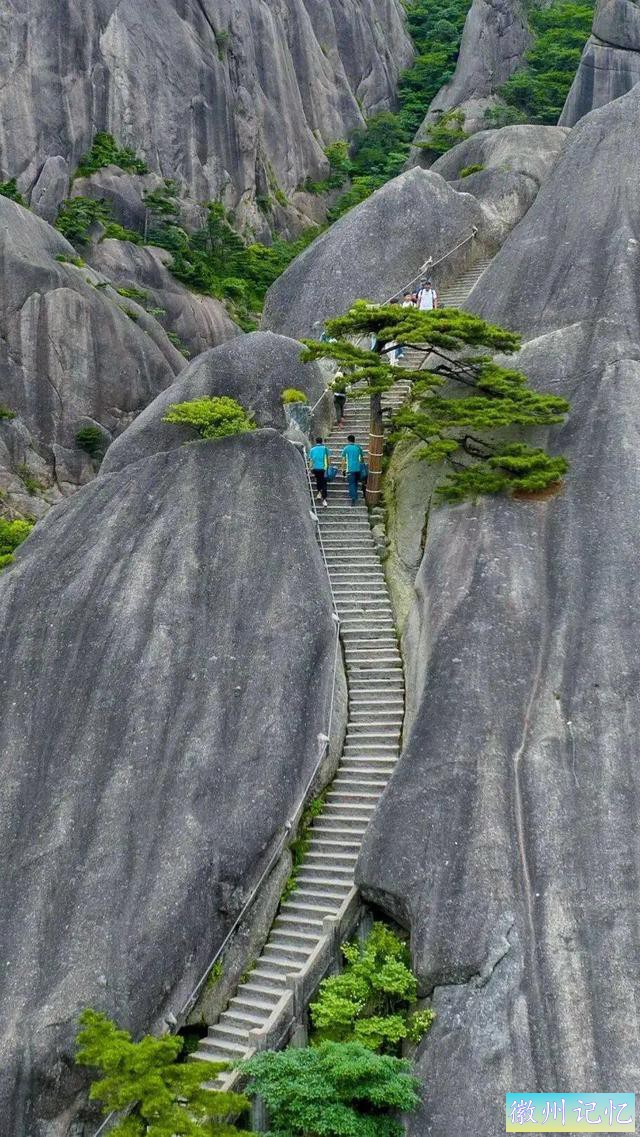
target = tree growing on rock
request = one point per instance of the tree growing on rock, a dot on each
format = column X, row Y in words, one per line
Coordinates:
column 159, row 1096
column 460, row 402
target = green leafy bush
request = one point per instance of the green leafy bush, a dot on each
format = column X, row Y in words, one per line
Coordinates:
column 32, row 484
column 6, row 412
column 448, row 131
column 468, row 170
column 212, row 417
column 333, row 1090
column 10, row 189
column 538, row 90
column 370, row 1001
column 66, row 260
column 300, row 845
column 497, row 117
column 92, row 440
column 117, row 232
column 105, row 151
column 130, row 292
column 179, row 344
column 12, row 534
column 292, row 395
column 164, row 1097
column 77, row 215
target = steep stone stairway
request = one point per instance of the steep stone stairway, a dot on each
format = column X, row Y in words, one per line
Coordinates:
column 375, row 679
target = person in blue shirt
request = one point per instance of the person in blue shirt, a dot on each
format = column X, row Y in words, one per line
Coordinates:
column 319, row 460
column 352, row 460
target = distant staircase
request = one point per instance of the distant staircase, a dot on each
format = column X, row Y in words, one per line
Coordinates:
column 325, row 892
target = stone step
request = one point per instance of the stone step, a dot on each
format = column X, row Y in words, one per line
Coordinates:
column 305, row 941
column 295, row 922
column 262, row 977
column 319, row 855
column 322, row 843
column 278, row 951
column 225, row 1050
column 315, row 895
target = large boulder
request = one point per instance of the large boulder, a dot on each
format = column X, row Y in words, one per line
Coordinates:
column 610, row 64
column 254, row 370
column 505, row 838
column 197, row 322
column 374, row 251
column 234, row 100
column 167, row 659
column 495, row 38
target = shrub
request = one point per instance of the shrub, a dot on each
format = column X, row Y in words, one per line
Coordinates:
column 538, row 89
column 336, row 1090
column 105, row 151
column 66, row 260
column 91, row 439
column 6, row 413
column 164, row 1097
column 292, row 395
column 445, row 133
column 10, row 189
column 12, row 534
column 497, row 117
column 369, row 1002
column 178, row 343
column 78, row 214
column 133, row 293
column 116, row 232
column 468, row 170
column 33, row 486
column 300, row 845
column 212, row 417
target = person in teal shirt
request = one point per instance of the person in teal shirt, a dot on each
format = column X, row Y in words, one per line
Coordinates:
column 319, row 460
column 352, row 459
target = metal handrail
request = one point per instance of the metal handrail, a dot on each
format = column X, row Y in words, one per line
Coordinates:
column 173, row 1021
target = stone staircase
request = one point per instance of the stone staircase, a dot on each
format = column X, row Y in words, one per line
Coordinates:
column 455, row 294
column 325, row 893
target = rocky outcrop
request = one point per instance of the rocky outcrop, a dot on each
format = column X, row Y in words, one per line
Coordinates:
column 373, row 251
column 610, row 64
column 198, row 322
column 495, row 38
column 167, row 659
column 514, row 162
column 254, row 369
column 506, row 838
column 233, row 100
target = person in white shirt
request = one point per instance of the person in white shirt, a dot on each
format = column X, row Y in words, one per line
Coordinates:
column 427, row 297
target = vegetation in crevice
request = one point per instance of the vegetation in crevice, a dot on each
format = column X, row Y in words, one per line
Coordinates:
column 105, row 151
column 10, row 189
column 6, row 413
column 215, row 416
column 292, row 395
column 371, row 1000
column 537, row 91
column 442, row 135
column 160, row 1095
column 92, row 440
column 12, row 534
column 300, row 845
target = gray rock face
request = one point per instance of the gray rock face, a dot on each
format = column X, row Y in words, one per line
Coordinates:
column 166, row 661
column 373, row 251
column 506, row 837
column 200, row 322
column 254, row 369
column 233, row 99
column 610, row 64
column 496, row 36
column 51, row 188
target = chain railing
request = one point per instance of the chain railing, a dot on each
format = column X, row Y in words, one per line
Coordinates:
column 174, row 1020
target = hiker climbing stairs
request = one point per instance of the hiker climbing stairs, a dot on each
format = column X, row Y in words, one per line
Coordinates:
column 375, row 680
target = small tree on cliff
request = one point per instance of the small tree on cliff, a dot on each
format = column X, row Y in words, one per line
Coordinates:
column 454, row 396
column 160, row 1096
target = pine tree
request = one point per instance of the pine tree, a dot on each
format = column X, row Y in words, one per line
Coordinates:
column 454, row 396
column 161, row 1096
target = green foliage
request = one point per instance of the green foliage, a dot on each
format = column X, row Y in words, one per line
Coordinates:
column 162, row 203
column 12, row 534
column 216, row 417
column 133, row 293
column 117, row 232
column 369, row 1001
column 78, row 214
column 33, row 486
column 10, row 189
column 455, row 397
column 468, row 170
column 6, row 412
column 177, row 342
column 166, row 1098
column 292, row 395
column 64, row 259
column 538, row 90
column 92, row 440
column 340, row 169
column 214, row 976
column 333, row 1090
column 105, row 151
column 448, row 131
column 497, row 117
column 300, row 845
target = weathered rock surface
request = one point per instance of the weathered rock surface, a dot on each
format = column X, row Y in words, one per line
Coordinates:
column 234, row 100
column 496, row 35
column 166, row 662
column 507, row 838
column 373, row 251
column 610, row 64
column 253, row 369
column 516, row 161
column 200, row 322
